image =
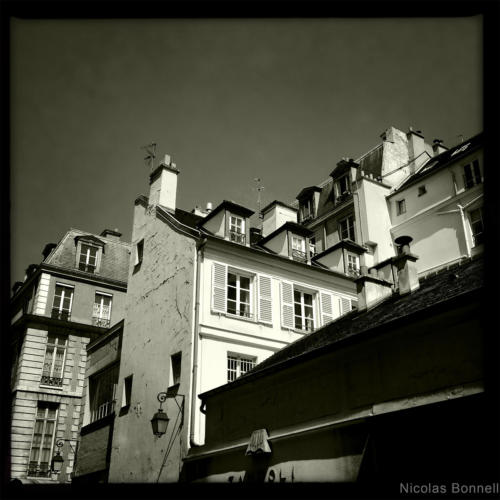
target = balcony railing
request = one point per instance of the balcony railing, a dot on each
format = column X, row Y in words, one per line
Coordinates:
column 237, row 237
column 353, row 271
column 38, row 470
column 102, row 322
column 63, row 315
column 53, row 381
column 346, row 195
column 88, row 268
column 299, row 255
column 102, row 411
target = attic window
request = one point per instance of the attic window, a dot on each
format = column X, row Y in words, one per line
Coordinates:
column 342, row 187
column 89, row 253
column 306, row 209
column 422, row 190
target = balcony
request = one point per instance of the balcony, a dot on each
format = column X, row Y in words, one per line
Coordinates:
column 101, row 322
column 62, row 315
column 101, row 315
column 353, row 271
column 52, row 381
column 102, row 411
column 345, row 196
column 299, row 255
column 237, row 237
column 39, row 470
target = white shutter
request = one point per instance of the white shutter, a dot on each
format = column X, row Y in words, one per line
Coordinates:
column 265, row 299
column 219, row 287
column 346, row 305
column 326, row 303
column 287, row 319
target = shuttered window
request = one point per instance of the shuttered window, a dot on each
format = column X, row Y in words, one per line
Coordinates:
column 287, row 304
column 219, row 287
column 326, row 304
column 265, row 299
column 346, row 305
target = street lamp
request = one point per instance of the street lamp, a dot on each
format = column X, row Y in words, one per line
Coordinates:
column 57, row 460
column 160, row 420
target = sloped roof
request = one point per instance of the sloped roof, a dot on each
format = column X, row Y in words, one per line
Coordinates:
column 444, row 159
column 434, row 289
column 114, row 264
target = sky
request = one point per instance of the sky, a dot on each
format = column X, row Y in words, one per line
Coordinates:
column 229, row 100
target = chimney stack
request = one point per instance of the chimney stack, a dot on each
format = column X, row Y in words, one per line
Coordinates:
column 405, row 265
column 48, row 248
column 209, row 206
column 371, row 288
column 416, row 144
column 163, row 184
column 438, row 147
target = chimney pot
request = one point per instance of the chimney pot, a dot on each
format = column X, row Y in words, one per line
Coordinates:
column 166, row 160
column 209, row 206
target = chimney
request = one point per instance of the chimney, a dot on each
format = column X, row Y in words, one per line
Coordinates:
column 275, row 215
column 405, row 265
column 416, row 144
column 371, row 288
column 255, row 235
column 111, row 234
column 48, row 248
column 163, row 184
column 209, row 206
column 438, row 147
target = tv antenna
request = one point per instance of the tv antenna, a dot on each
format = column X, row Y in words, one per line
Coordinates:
column 259, row 189
column 151, row 154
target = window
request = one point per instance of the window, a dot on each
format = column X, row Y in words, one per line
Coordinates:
column 307, row 210
column 127, row 391
column 139, row 251
column 476, row 223
column 175, row 368
column 346, row 228
column 421, row 190
column 472, row 175
column 101, row 312
column 102, row 389
column 238, row 294
column 342, row 187
column 53, row 364
column 237, row 365
column 43, row 440
column 312, row 247
column 352, row 264
column 298, row 248
column 236, row 229
column 88, row 258
column 400, row 207
column 303, row 310
column 63, row 300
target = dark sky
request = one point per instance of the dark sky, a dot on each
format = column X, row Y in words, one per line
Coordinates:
column 230, row 100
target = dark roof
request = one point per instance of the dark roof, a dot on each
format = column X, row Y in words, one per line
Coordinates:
column 188, row 218
column 291, row 226
column 349, row 244
column 307, row 191
column 276, row 202
column 229, row 205
column 435, row 289
column 443, row 159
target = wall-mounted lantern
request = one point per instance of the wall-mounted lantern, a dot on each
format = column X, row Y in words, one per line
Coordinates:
column 160, row 420
column 57, row 460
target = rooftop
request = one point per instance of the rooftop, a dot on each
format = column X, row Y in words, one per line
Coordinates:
column 438, row 288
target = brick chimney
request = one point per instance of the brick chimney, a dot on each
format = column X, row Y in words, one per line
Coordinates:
column 438, row 147
column 111, row 234
column 163, row 184
column 405, row 265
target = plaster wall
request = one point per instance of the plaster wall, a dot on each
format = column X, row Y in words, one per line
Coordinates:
column 333, row 260
column 216, row 225
column 157, row 325
column 276, row 217
column 279, row 244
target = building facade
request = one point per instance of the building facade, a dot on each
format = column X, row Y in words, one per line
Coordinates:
column 206, row 302
column 65, row 302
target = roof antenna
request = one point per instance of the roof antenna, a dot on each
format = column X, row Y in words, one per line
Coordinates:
column 151, row 154
column 259, row 189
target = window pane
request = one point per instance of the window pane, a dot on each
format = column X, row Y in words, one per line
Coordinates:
column 244, row 296
column 231, row 279
column 308, row 299
column 245, row 310
column 296, row 296
column 231, row 293
column 231, row 307
column 47, row 364
column 244, row 282
column 298, row 322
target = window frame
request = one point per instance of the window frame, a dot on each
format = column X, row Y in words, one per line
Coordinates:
column 240, row 274
column 48, row 379
column 98, row 411
column 306, row 208
column 338, row 188
column 88, row 255
column 238, row 359
column 401, row 206
column 348, row 226
column 471, row 224
column 46, row 406
column 300, row 252
column 60, row 309
column 422, row 190
column 353, row 270
column 100, row 320
column 472, row 175
column 237, row 232
column 302, row 292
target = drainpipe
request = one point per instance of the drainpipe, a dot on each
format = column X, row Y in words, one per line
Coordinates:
column 199, row 257
column 464, row 228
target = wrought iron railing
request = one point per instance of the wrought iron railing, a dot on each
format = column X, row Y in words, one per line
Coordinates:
column 237, row 237
column 299, row 255
column 63, row 315
column 88, row 268
column 53, row 381
column 102, row 322
column 38, row 470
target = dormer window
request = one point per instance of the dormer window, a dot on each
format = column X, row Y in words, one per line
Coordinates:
column 312, row 246
column 472, row 175
column 307, row 210
column 342, row 187
column 299, row 248
column 346, row 228
column 88, row 258
column 237, row 229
